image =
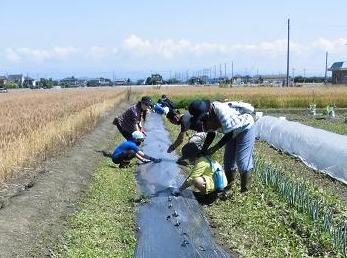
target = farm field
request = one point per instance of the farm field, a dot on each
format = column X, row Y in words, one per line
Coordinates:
column 35, row 124
column 263, row 223
column 72, row 197
column 260, row 224
column 259, row 97
column 321, row 120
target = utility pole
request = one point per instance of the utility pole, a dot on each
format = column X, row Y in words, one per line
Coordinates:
column 304, row 75
column 287, row 82
column 225, row 70
column 220, row 70
column 232, row 72
column 326, row 67
column 215, row 71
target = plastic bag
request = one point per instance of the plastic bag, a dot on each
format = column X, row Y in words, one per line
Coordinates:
column 219, row 177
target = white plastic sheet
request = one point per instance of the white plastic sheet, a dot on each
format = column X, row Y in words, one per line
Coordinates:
column 317, row 148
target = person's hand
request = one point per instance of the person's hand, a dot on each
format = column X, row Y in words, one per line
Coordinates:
column 144, row 132
column 171, row 148
column 176, row 191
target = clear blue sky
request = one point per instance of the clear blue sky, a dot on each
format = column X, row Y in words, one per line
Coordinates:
column 133, row 38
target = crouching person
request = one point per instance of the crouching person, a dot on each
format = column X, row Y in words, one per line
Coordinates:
column 129, row 149
column 204, row 175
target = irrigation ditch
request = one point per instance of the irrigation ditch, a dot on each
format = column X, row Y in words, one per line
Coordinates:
column 169, row 226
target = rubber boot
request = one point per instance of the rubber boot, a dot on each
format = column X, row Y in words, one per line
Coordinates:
column 245, row 181
column 231, row 179
column 226, row 193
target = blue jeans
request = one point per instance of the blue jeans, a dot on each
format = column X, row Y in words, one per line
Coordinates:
column 239, row 152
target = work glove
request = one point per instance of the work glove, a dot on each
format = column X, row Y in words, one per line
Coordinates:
column 146, row 161
column 156, row 160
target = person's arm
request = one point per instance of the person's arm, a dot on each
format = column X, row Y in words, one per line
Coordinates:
column 177, row 142
column 197, row 171
column 227, row 137
column 143, row 157
column 185, row 185
column 209, row 139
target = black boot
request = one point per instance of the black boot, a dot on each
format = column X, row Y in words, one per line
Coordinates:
column 245, row 181
column 231, row 178
column 124, row 164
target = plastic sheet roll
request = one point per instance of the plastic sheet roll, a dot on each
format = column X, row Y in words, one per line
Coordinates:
column 317, row 148
column 169, row 226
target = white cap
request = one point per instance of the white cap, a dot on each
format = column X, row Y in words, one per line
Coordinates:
column 166, row 110
column 137, row 135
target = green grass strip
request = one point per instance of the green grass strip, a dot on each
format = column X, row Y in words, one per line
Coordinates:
column 104, row 225
column 262, row 223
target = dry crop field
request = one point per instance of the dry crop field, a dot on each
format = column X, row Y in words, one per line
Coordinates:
column 260, row 97
column 34, row 124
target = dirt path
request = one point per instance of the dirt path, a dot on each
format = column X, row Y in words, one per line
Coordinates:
column 33, row 212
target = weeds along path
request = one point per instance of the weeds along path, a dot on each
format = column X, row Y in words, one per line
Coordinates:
column 33, row 219
column 169, row 226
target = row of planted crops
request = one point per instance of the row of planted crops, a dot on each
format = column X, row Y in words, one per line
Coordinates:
column 291, row 210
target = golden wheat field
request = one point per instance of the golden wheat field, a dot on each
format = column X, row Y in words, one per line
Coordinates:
column 261, row 97
column 35, row 123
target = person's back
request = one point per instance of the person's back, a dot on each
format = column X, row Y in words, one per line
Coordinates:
column 202, row 168
column 165, row 101
column 124, row 147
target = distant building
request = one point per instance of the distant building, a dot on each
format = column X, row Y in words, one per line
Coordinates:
column 3, row 80
column 275, row 80
column 17, row 79
column 339, row 72
column 29, row 82
column 120, row 82
column 69, row 82
column 99, row 82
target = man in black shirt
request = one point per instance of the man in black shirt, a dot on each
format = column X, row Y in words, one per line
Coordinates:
column 184, row 120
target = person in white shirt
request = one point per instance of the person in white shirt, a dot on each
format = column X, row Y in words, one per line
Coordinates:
column 235, row 121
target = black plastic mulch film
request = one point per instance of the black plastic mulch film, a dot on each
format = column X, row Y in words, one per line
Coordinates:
column 169, row 226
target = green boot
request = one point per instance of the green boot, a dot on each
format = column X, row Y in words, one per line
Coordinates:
column 245, row 181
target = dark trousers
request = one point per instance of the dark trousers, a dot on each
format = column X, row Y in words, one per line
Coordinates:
column 124, row 157
column 126, row 134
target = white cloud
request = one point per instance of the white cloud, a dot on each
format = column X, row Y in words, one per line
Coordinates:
column 98, row 52
column 169, row 48
column 64, row 52
column 136, row 43
column 12, row 56
column 334, row 46
column 15, row 55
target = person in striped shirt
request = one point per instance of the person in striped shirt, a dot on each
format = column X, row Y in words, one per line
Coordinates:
column 131, row 120
column 234, row 120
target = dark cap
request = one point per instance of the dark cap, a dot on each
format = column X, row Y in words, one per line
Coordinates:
column 147, row 101
column 174, row 116
column 199, row 107
column 190, row 151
